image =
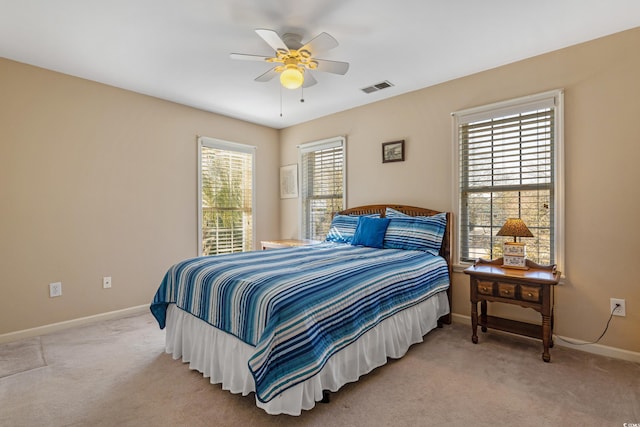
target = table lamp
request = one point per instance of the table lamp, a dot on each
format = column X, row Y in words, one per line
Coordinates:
column 514, row 253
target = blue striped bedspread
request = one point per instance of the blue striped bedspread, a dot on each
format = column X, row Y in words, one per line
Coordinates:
column 299, row 306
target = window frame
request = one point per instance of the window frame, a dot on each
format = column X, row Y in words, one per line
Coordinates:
column 553, row 98
column 229, row 146
column 317, row 146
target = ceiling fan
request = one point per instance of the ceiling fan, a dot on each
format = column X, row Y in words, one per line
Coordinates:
column 295, row 58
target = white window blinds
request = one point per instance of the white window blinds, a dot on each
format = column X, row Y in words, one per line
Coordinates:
column 322, row 166
column 507, row 169
column 225, row 197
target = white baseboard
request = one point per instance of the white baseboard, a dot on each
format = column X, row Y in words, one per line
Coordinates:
column 602, row 350
column 54, row 327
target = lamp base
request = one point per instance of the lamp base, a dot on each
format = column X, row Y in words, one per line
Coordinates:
column 514, row 249
column 513, row 261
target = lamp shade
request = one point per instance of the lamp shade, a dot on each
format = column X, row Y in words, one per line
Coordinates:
column 291, row 77
column 514, row 227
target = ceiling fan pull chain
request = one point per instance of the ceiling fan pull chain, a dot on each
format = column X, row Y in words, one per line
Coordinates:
column 280, row 100
column 301, row 93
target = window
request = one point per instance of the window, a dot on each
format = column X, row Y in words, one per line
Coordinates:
column 225, row 197
column 322, row 186
column 509, row 165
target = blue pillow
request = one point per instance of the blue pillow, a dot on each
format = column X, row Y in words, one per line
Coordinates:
column 418, row 233
column 343, row 227
column 370, row 232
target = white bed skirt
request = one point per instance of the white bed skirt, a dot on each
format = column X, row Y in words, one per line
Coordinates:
column 223, row 358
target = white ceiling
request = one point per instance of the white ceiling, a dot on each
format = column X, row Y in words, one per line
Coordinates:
column 179, row 49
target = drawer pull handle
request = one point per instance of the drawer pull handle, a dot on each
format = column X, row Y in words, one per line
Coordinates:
column 530, row 294
column 484, row 289
column 505, row 292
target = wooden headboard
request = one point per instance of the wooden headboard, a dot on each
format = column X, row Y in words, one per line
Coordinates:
column 445, row 250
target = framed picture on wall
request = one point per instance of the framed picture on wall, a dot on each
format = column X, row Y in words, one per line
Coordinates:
column 289, row 181
column 393, row 151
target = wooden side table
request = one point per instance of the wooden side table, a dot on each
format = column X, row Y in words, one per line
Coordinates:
column 532, row 288
column 287, row 243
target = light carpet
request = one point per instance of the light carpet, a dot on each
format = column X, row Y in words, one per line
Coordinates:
column 116, row 373
column 21, row 356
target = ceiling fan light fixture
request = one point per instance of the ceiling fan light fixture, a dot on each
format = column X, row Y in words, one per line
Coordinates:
column 295, row 58
column 303, row 53
column 291, row 77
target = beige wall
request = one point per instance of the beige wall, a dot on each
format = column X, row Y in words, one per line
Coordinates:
column 96, row 181
column 602, row 152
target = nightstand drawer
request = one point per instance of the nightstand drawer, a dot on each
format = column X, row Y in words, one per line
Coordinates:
column 507, row 290
column 530, row 293
column 485, row 288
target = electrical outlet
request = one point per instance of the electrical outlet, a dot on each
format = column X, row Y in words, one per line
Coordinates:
column 55, row 289
column 106, row 282
column 619, row 311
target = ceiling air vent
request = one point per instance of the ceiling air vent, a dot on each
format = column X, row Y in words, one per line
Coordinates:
column 376, row 87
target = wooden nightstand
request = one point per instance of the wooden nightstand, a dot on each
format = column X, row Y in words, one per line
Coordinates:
column 532, row 288
column 287, row 243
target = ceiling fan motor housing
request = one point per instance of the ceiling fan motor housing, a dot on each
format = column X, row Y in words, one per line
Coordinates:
column 293, row 41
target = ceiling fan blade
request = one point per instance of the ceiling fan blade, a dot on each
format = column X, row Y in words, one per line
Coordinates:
column 335, row 67
column 267, row 76
column 273, row 39
column 322, row 42
column 309, row 80
column 246, row 57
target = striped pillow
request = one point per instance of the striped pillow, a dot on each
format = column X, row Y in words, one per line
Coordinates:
column 418, row 233
column 392, row 213
column 343, row 227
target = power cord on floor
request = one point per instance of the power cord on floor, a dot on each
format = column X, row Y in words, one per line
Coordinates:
column 601, row 335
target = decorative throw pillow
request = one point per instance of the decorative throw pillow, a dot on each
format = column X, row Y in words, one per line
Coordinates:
column 421, row 233
column 370, row 232
column 343, row 227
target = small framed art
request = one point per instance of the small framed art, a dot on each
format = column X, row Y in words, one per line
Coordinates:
column 289, row 181
column 393, row 151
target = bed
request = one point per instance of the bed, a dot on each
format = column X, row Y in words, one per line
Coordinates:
column 291, row 325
